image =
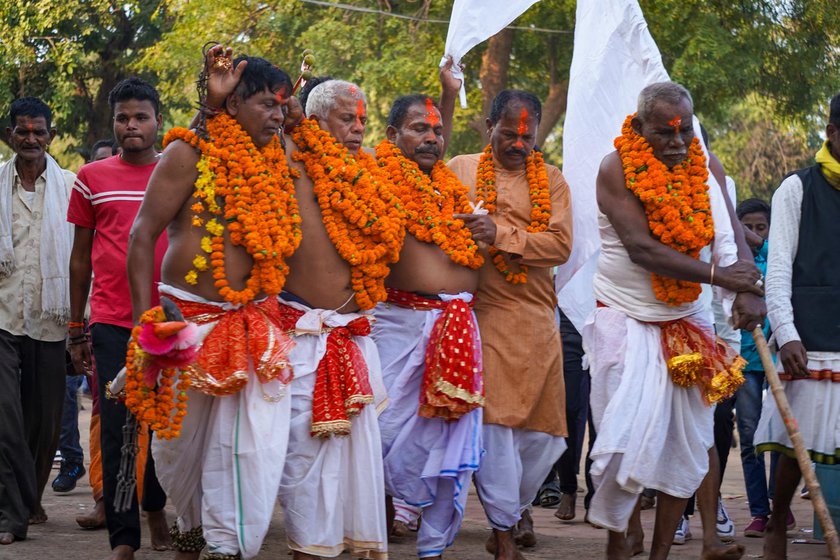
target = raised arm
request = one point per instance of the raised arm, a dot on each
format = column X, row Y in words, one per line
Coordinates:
column 169, row 189
column 449, row 86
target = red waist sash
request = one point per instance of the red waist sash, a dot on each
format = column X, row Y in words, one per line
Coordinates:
column 252, row 331
column 262, row 331
column 342, row 386
column 453, row 384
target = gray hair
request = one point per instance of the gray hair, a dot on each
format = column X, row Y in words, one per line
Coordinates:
column 669, row 92
column 322, row 97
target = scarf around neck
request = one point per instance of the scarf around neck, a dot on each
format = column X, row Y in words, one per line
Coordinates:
column 56, row 238
column 829, row 165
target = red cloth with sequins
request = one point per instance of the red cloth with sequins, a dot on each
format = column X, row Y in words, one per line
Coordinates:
column 252, row 331
column 342, row 387
column 453, row 384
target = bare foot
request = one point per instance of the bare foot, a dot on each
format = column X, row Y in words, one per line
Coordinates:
column 490, row 545
column 506, row 546
column 159, row 530
column 566, row 509
column 636, row 542
column 298, row 555
column 722, row 551
column 38, row 516
column 7, row 538
column 122, row 552
column 775, row 544
column 617, row 546
column 95, row 519
column 524, row 533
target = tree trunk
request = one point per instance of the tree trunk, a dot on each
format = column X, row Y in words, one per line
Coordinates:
column 493, row 75
column 553, row 108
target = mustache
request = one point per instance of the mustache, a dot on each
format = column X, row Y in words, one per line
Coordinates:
column 516, row 152
column 434, row 150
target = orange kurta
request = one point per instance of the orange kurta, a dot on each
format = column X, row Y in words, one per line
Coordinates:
column 523, row 361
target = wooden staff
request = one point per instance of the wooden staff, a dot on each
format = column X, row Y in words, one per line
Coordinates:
column 817, row 498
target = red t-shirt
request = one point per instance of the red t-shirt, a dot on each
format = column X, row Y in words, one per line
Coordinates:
column 106, row 198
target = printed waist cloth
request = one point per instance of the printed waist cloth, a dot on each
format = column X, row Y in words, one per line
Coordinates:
column 453, row 383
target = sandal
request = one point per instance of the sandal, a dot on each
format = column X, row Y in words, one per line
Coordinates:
column 549, row 495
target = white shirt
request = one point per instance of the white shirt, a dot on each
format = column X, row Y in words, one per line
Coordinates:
column 20, row 293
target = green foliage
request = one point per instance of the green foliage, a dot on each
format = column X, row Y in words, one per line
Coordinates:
column 71, row 52
column 758, row 149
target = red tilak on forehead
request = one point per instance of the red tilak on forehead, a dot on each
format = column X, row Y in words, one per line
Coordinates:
column 280, row 94
column 29, row 127
column 676, row 122
column 523, row 122
column 431, row 113
column 360, row 108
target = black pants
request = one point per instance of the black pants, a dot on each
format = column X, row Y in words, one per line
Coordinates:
column 109, row 347
column 724, row 424
column 577, row 405
column 32, row 376
column 577, row 383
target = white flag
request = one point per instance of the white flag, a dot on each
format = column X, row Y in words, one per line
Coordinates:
column 614, row 58
column 475, row 21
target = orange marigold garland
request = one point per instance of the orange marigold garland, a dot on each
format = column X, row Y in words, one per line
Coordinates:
column 159, row 350
column 249, row 192
column 429, row 203
column 676, row 203
column 361, row 214
column 485, row 190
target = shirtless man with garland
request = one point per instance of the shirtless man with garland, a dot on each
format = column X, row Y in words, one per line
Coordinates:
column 331, row 487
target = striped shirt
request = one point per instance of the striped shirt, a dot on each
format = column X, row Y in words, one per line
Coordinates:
column 106, row 197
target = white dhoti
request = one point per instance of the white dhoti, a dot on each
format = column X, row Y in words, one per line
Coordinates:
column 428, row 462
column 651, row 432
column 816, row 406
column 332, row 488
column 515, row 464
column 224, row 470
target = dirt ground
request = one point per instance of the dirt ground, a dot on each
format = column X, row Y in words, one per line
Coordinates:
column 62, row 539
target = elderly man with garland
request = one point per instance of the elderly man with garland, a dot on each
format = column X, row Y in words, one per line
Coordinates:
column 426, row 333
column 803, row 280
column 655, row 364
column 526, row 225
column 352, row 228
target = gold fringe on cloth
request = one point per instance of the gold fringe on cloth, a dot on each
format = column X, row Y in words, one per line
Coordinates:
column 694, row 357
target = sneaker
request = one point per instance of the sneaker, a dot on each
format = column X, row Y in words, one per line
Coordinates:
column 805, row 494
column 725, row 526
column 683, row 532
column 67, row 477
column 790, row 521
column 756, row 527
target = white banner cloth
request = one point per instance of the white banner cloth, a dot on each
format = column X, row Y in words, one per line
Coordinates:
column 614, row 58
column 475, row 21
